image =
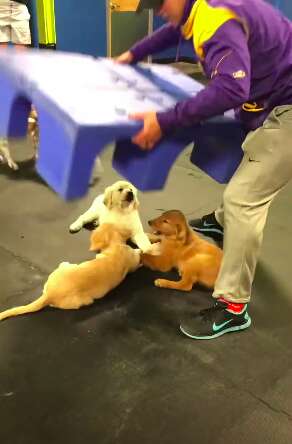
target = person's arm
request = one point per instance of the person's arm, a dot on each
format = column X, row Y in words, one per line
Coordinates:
column 227, row 62
column 165, row 37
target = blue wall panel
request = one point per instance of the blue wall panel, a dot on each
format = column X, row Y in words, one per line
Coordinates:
column 33, row 23
column 81, row 26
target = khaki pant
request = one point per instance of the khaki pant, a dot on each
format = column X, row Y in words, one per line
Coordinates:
column 17, row 33
column 265, row 169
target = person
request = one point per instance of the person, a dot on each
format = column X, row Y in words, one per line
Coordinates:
column 245, row 49
column 14, row 23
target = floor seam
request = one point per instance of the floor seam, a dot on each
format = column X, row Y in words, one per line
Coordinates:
column 24, row 260
column 270, row 406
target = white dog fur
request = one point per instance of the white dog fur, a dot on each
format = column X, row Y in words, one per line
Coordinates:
column 118, row 205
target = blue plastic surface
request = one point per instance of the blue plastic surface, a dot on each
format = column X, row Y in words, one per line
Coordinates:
column 83, row 104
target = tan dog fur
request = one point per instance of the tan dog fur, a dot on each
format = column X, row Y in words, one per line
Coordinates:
column 196, row 260
column 71, row 286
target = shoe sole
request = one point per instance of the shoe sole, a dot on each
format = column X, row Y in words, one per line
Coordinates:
column 217, row 335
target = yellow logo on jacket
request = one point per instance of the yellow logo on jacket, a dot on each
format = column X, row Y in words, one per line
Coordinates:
column 239, row 74
column 252, row 107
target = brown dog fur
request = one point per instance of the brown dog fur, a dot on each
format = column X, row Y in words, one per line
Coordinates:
column 196, row 260
column 71, row 286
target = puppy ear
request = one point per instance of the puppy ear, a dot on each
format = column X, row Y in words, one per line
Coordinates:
column 136, row 203
column 188, row 238
column 95, row 241
column 108, row 198
column 183, row 233
column 99, row 239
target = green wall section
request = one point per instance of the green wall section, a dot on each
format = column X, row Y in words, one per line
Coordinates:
column 127, row 29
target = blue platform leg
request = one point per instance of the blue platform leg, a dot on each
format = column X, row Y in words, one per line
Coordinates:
column 147, row 170
column 217, row 147
column 14, row 110
column 87, row 147
column 66, row 154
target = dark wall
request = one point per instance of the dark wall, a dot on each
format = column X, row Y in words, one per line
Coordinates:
column 81, row 26
column 284, row 5
column 31, row 4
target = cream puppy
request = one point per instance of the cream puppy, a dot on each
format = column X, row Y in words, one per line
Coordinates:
column 118, row 205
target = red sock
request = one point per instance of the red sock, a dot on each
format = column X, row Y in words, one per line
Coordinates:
column 233, row 307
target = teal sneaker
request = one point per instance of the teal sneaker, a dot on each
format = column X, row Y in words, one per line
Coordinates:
column 215, row 321
column 208, row 226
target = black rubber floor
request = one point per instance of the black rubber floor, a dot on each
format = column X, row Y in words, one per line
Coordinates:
column 120, row 371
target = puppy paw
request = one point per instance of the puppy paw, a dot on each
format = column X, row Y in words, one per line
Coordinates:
column 154, row 250
column 153, row 237
column 159, row 282
column 12, row 165
column 75, row 227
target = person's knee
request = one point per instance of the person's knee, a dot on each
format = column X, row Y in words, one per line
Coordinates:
column 231, row 199
column 244, row 214
column 237, row 205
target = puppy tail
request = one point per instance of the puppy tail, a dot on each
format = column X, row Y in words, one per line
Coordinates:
column 37, row 305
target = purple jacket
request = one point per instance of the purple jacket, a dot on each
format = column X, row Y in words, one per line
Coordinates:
column 245, row 48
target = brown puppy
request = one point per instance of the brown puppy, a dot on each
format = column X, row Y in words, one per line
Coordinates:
column 71, row 286
column 196, row 260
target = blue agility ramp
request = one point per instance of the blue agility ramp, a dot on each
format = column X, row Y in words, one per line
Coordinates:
column 83, row 105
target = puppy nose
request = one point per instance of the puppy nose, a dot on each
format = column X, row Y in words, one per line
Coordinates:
column 130, row 196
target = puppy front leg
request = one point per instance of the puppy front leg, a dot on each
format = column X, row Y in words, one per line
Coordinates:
column 185, row 284
column 82, row 220
column 143, row 242
column 153, row 237
column 90, row 215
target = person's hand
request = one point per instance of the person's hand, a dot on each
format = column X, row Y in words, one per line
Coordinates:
column 151, row 132
column 126, row 57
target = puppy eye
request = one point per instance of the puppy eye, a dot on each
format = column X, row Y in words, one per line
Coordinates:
column 165, row 221
column 120, row 189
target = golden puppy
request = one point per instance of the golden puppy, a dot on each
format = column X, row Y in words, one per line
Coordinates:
column 196, row 260
column 71, row 286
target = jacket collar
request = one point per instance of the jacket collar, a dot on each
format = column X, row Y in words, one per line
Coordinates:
column 188, row 7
